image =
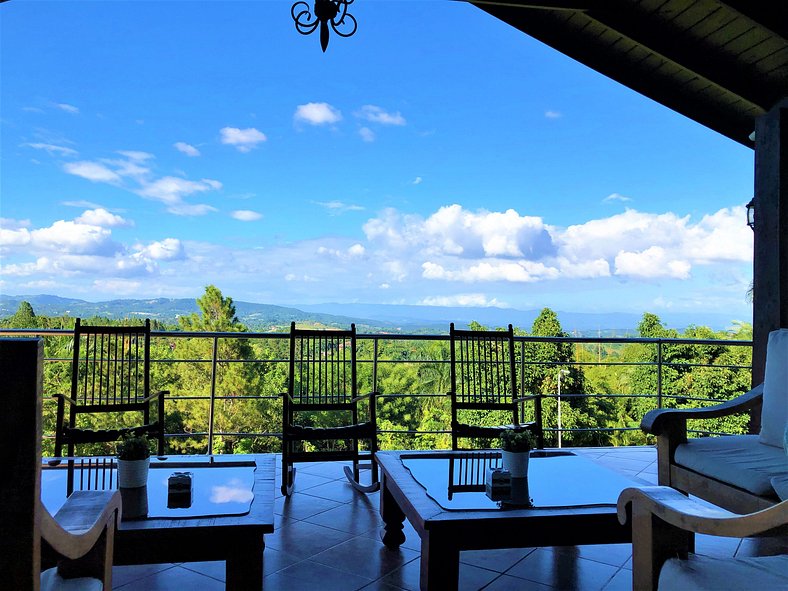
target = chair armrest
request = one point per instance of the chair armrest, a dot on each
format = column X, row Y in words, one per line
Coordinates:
column 155, row 395
column 65, row 398
column 689, row 515
column 80, row 522
column 360, row 397
column 656, row 421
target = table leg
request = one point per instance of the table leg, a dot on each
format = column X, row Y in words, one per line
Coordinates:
column 440, row 563
column 244, row 568
column 393, row 517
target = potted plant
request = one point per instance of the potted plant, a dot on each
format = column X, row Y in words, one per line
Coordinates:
column 133, row 461
column 515, row 452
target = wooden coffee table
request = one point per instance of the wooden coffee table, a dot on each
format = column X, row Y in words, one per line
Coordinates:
column 574, row 502
column 236, row 539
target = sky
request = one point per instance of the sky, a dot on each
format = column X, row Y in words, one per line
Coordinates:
column 436, row 157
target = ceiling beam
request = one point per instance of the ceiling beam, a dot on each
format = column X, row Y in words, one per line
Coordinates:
column 769, row 14
column 545, row 4
column 689, row 54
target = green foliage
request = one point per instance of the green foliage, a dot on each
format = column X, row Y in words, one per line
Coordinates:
column 133, row 447
column 516, row 441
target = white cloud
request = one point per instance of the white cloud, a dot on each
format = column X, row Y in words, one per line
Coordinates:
column 616, row 197
column 246, row 215
column 356, row 250
column 191, row 210
column 317, row 114
column 418, row 180
column 376, row 114
column 92, row 171
column 169, row 249
column 244, row 140
column 367, row 134
column 337, row 207
column 136, row 155
column 52, row 149
column 172, row 190
column 651, row 263
column 476, row 300
column 553, row 114
column 68, row 108
column 117, row 286
column 101, row 217
column 71, row 237
column 515, row 272
column 11, row 224
column 187, row 149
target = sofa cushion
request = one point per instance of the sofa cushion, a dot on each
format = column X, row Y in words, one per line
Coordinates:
column 740, row 460
column 774, row 416
column 713, row 574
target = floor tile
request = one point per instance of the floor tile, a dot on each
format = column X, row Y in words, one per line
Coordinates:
column 302, row 506
column 768, row 546
column 365, row 557
column 304, row 540
column 122, row 575
column 495, row 560
column 216, row 569
column 310, row 576
column 275, row 560
column 351, row 518
column 621, row 581
column 507, row 583
column 612, row 554
column 563, row 570
column 174, row 579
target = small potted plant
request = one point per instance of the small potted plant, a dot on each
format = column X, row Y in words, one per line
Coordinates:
column 133, row 461
column 515, row 452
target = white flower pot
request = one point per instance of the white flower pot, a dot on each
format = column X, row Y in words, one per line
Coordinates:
column 516, row 462
column 133, row 473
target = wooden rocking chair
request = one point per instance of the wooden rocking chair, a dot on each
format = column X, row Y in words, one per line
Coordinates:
column 110, row 374
column 322, row 383
column 484, row 387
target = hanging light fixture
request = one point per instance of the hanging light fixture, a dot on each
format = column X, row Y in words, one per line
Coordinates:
column 751, row 214
column 326, row 12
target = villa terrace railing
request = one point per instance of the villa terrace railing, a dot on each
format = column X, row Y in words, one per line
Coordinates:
column 653, row 367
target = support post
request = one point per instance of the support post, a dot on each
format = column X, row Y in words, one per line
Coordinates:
column 770, row 256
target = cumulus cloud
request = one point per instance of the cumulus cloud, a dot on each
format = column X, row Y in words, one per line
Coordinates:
column 650, row 263
column 169, row 249
column 367, row 134
column 418, row 180
column 317, row 114
column 244, row 140
column 246, row 215
column 172, row 190
column 101, row 217
column 53, row 149
column 187, row 149
column 376, row 114
column 92, row 171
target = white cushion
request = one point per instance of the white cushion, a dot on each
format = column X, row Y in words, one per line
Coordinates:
column 704, row 573
column 774, row 416
column 740, row 460
column 52, row 581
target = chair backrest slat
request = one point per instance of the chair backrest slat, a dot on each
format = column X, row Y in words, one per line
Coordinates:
column 323, row 367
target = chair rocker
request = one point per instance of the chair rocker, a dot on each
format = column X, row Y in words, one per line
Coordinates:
column 322, row 386
column 484, row 387
column 110, row 376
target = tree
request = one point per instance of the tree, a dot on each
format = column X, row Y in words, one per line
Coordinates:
column 217, row 314
column 24, row 317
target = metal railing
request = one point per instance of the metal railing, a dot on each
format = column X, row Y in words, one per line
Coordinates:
column 375, row 358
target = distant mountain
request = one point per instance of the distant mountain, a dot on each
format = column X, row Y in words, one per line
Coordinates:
column 368, row 317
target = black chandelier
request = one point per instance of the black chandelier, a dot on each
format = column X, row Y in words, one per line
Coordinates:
column 333, row 12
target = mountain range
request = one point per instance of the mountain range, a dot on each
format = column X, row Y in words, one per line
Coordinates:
column 368, row 317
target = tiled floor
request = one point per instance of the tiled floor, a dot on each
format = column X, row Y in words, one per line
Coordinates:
column 327, row 538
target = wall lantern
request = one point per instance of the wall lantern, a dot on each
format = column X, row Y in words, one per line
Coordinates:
column 751, row 214
column 333, row 12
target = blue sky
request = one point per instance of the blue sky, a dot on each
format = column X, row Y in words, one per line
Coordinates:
column 436, row 157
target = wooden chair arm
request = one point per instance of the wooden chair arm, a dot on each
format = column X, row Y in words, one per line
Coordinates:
column 79, row 523
column 155, row 395
column 689, row 515
column 657, row 421
column 65, row 398
column 360, row 397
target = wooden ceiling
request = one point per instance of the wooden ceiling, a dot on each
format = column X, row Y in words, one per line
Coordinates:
column 720, row 62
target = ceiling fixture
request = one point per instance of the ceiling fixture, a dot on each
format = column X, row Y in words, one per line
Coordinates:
column 333, row 12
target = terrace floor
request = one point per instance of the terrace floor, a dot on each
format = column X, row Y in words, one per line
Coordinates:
column 327, row 538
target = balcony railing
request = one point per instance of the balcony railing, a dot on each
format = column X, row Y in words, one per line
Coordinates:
column 405, row 367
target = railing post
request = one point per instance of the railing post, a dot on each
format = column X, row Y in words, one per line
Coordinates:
column 659, row 373
column 214, row 358
column 375, row 364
